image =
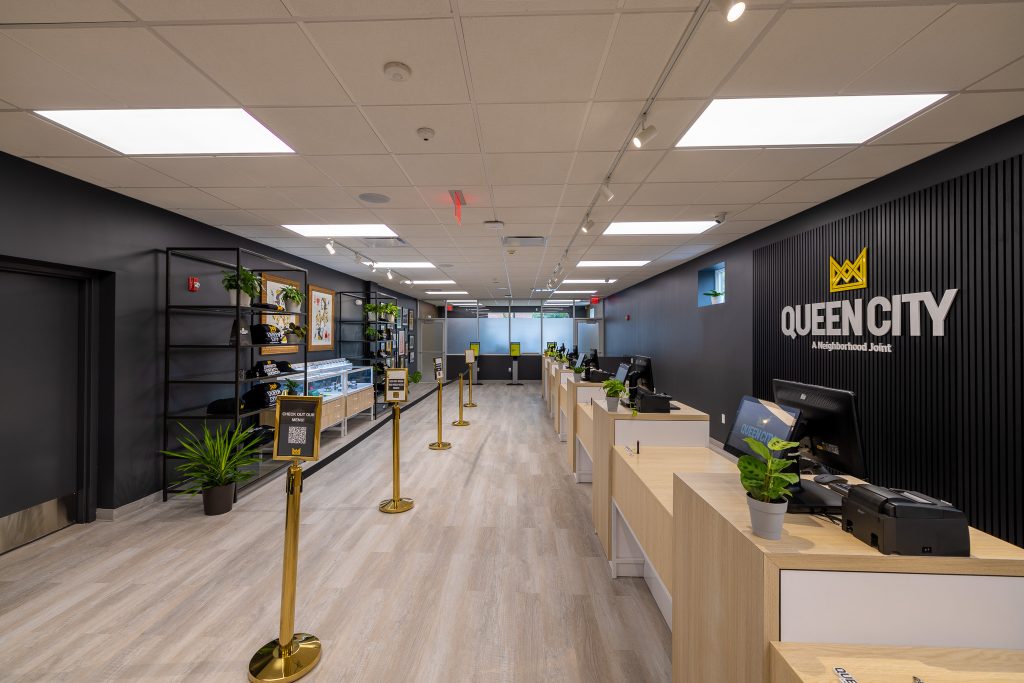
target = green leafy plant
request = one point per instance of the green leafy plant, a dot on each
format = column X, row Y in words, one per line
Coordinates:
column 294, row 294
column 371, row 309
column 372, row 334
column 243, row 280
column 714, row 292
column 415, row 376
column 215, row 458
column 613, row 388
column 299, row 331
column 391, row 309
column 292, row 385
column 765, row 479
column 578, row 369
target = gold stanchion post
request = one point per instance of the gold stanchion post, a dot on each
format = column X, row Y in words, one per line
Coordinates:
column 470, row 404
column 396, row 503
column 292, row 655
column 460, row 422
column 440, row 444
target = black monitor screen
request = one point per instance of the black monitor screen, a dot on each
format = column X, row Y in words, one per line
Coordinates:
column 620, row 374
column 642, row 373
column 828, row 420
column 760, row 420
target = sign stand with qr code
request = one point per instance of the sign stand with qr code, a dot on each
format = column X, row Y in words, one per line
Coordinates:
column 291, row 655
column 396, row 392
column 440, row 444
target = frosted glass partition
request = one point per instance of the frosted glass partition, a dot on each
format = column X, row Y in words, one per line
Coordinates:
column 558, row 330
column 461, row 331
column 494, row 335
column 526, row 331
column 587, row 336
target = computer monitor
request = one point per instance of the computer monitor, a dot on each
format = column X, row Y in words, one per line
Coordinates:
column 641, row 373
column 590, row 359
column 574, row 354
column 621, row 373
column 828, row 422
column 762, row 421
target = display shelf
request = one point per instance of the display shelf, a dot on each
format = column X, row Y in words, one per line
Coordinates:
column 203, row 415
column 229, row 346
column 210, row 380
column 228, row 309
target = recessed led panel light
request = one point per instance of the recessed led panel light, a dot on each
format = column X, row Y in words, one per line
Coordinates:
column 610, row 264
column 369, row 230
column 607, row 281
column 399, row 265
column 576, row 291
column 446, row 292
column 172, row 131
column 660, row 228
column 755, row 122
column 433, row 282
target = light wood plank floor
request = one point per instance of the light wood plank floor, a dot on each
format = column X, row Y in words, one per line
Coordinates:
column 496, row 575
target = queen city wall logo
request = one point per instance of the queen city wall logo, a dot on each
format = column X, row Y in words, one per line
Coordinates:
column 847, row 276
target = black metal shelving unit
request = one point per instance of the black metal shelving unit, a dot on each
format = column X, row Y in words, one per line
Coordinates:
column 373, row 352
column 232, row 374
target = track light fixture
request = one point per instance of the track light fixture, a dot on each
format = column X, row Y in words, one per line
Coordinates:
column 390, row 276
column 607, row 192
column 373, row 267
column 720, row 218
column 645, row 134
column 733, row 9
column 587, row 225
column 329, row 247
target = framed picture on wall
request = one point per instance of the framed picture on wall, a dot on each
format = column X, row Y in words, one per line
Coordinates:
column 401, row 342
column 412, row 319
column 321, row 319
column 272, row 286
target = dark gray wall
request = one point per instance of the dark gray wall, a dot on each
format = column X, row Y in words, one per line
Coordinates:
column 53, row 218
column 704, row 356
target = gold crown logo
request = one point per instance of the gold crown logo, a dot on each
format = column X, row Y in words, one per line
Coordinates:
column 848, row 275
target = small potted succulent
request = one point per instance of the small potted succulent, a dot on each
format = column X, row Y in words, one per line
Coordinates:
column 371, row 311
column 371, row 333
column 214, row 463
column 242, row 286
column 614, row 389
column 292, row 297
column 766, row 482
column 716, row 296
column 578, row 372
column 296, row 333
column 291, row 387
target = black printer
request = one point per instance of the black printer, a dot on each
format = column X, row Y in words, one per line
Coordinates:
column 651, row 402
column 905, row 522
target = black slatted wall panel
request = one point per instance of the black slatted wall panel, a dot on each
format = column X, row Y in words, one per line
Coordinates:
column 942, row 415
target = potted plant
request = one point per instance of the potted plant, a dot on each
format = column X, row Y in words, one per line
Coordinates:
column 296, row 333
column 613, row 390
column 371, row 311
column 415, row 377
column 716, row 296
column 292, row 298
column 372, row 334
column 765, row 481
column 578, row 371
column 242, row 286
column 291, row 387
column 214, row 462
column 391, row 311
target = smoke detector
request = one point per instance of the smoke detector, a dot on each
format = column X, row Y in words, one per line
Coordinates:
column 397, row 72
column 425, row 134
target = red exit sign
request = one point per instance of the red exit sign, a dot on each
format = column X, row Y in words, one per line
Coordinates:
column 595, row 300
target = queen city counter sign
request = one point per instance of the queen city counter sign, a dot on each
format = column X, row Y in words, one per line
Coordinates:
column 913, row 314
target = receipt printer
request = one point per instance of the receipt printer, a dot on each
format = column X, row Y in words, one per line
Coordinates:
column 905, row 522
column 650, row 402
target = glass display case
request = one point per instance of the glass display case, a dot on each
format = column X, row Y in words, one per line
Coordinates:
column 347, row 389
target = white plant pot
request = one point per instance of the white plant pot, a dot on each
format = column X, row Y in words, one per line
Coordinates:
column 718, row 299
column 292, row 306
column 372, row 317
column 612, row 402
column 391, row 318
column 767, row 518
column 238, row 297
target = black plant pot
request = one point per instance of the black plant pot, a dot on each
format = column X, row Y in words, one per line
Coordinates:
column 218, row 500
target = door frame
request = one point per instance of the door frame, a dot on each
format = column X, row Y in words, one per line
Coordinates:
column 444, row 344
column 600, row 333
column 93, row 287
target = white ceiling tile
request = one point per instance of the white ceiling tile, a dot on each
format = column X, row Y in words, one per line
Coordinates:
column 25, row 135
column 986, row 37
column 321, row 130
column 130, row 65
column 361, row 9
column 358, row 170
column 193, row 10
column 527, row 195
column 635, row 165
column 60, row 11
column 738, row 227
column 200, row 171
column 641, row 47
column 771, row 212
column 608, row 124
column 786, row 163
column 712, row 53
column 875, row 161
column 531, row 127
column 531, row 214
column 673, row 118
column 109, row 171
column 280, row 171
column 475, row 7
column 569, row 214
column 819, row 51
column 579, row 195
column 453, row 126
column 251, row 197
column 32, row 82
column 260, row 64
column 815, row 190
column 264, row 234
column 401, row 197
column 528, row 169
column 404, row 216
column 291, row 216
column 176, row 197
column 359, row 50
column 535, row 59
column 446, row 169
column 664, row 194
column 319, row 197
column 696, row 165
column 1009, row 78
column 222, row 216
column 470, row 216
column 591, row 167
column 343, row 216
column 958, row 118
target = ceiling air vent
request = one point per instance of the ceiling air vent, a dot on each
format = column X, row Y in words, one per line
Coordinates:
column 523, row 241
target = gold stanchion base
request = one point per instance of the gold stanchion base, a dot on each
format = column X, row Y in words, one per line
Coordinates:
column 469, row 405
column 460, row 423
column 439, row 446
column 393, row 507
column 268, row 664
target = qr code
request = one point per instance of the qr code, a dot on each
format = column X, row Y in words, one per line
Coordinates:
column 296, row 435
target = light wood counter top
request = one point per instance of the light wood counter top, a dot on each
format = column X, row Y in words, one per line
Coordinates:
column 685, row 412
column 812, row 663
